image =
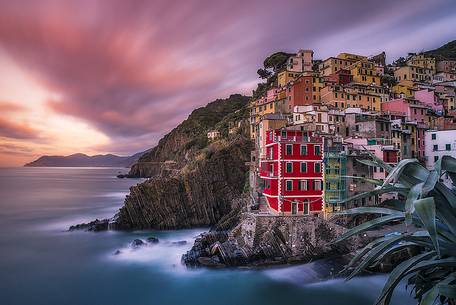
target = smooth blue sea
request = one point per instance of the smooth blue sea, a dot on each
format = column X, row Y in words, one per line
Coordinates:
column 42, row 263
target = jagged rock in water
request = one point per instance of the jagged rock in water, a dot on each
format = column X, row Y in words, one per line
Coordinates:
column 200, row 195
column 95, row 226
column 179, row 243
column 152, row 240
column 136, row 243
column 266, row 240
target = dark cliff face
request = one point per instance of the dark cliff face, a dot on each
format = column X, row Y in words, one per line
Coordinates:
column 188, row 138
column 199, row 195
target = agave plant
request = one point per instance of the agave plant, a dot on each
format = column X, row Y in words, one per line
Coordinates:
column 430, row 206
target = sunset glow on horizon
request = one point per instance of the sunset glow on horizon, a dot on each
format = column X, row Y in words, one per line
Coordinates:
column 114, row 76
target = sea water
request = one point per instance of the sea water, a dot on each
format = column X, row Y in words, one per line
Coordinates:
column 42, row 263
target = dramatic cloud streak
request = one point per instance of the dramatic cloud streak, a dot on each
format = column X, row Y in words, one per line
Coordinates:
column 132, row 70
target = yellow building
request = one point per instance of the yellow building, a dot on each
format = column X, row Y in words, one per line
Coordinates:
column 266, row 105
column 413, row 73
column 422, row 61
column 365, row 72
column 352, row 57
column 318, row 84
column 411, row 126
column 448, row 101
column 342, row 97
column 286, row 76
column 333, row 64
column 406, row 88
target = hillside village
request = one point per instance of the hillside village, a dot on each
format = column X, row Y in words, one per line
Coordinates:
column 315, row 121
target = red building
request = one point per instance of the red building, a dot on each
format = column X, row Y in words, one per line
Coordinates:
column 341, row 77
column 292, row 172
column 299, row 93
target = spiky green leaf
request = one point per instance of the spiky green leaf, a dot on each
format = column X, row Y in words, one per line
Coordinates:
column 369, row 225
column 425, row 209
column 398, row 274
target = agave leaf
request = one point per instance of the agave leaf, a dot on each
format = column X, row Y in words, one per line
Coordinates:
column 413, row 195
column 425, row 209
column 394, row 248
column 452, row 176
column 430, row 182
column 373, row 255
column 414, row 173
column 369, row 210
column 376, row 191
column 448, row 164
column 430, row 296
column 446, row 235
column 447, row 290
column 395, row 173
column 373, row 181
column 446, row 193
column 445, row 214
column 369, row 225
column 379, row 161
column 394, row 204
column 368, row 162
column 398, row 273
column 363, row 251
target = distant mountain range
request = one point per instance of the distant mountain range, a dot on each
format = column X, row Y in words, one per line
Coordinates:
column 83, row 160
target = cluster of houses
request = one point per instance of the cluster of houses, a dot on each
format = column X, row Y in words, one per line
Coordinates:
column 314, row 127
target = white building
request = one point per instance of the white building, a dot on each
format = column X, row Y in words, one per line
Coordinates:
column 213, row 134
column 317, row 116
column 437, row 144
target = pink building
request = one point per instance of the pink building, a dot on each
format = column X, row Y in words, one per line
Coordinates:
column 429, row 98
column 412, row 109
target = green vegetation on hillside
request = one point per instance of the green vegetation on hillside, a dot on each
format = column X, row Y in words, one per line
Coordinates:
column 192, row 132
column 445, row 52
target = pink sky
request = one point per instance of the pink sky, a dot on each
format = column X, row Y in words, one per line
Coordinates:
column 114, row 76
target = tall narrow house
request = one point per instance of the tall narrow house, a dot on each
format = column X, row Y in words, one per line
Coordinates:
column 292, row 172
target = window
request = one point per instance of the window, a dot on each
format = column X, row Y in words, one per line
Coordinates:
column 434, row 136
column 436, row 158
column 289, row 167
column 270, row 136
column 317, row 167
column 317, row 185
column 289, row 150
column 448, row 147
column 436, row 147
column 302, row 185
column 289, row 185
column 303, row 167
column 306, row 207
column 317, row 150
column 303, row 150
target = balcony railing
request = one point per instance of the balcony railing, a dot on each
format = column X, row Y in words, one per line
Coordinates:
column 270, row 174
column 295, row 139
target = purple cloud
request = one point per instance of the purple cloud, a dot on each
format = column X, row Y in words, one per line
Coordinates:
column 135, row 69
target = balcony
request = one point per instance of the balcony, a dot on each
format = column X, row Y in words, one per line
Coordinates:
column 294, row 139
column 270, row 174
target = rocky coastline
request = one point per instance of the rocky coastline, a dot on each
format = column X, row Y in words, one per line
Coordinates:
column 194, row 182
column 261, row 240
